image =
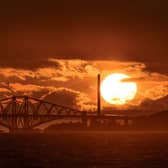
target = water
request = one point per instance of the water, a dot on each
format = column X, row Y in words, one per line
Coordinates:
column 86, row 149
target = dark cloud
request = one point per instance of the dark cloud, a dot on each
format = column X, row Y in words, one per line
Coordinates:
column 31, row 32
column 62, row 97
column 154, row 105
column 71, row 98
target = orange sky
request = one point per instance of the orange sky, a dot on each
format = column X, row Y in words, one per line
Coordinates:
column 73, row 83
column 40, row 42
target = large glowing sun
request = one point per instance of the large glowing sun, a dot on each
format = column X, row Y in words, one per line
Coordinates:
column 115, row 91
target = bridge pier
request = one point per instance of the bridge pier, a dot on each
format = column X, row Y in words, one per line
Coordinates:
column 86, row 121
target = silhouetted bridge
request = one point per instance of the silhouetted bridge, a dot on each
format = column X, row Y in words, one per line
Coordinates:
column 23, row 112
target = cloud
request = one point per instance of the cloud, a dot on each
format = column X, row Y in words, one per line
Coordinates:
column 71, row 98
column 18, row 73
column 29, row 89
column 157, row 91
column 51, row 73
column 43, row 82
column 75, row 68
column 61, row 70
column 156, row 105
column 4, row 90
column 17, row 87
column 61, row 95
column 73, row 82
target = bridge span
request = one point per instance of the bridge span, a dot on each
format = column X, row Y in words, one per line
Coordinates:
column 23, row 112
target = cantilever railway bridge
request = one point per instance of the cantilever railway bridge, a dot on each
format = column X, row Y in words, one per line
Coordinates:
column 23, row 112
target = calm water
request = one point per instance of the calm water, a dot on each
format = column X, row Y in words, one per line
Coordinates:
column 94, row 149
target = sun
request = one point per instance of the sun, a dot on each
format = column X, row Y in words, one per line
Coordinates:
column 115, row 91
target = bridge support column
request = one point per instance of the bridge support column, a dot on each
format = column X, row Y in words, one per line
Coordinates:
column 126, row 121
column 86, row 122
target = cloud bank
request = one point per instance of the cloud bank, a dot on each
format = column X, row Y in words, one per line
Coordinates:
column 73, row 83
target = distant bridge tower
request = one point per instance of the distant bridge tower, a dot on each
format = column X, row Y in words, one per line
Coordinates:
column 98, row 96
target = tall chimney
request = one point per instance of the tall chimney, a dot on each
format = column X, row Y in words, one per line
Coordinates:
column 98, row 96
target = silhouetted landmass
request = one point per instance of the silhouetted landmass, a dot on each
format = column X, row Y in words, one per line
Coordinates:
column 157, row 121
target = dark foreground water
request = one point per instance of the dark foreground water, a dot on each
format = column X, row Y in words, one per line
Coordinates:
column 80, row 150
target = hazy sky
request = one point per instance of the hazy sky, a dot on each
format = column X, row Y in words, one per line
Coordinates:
column 131, row 34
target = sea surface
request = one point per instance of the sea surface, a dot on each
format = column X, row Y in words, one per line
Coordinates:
column 84, row 150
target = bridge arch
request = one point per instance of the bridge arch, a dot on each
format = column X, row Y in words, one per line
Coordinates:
column 27, row 112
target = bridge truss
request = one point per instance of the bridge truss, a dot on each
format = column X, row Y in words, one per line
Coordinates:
column 28, row 112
